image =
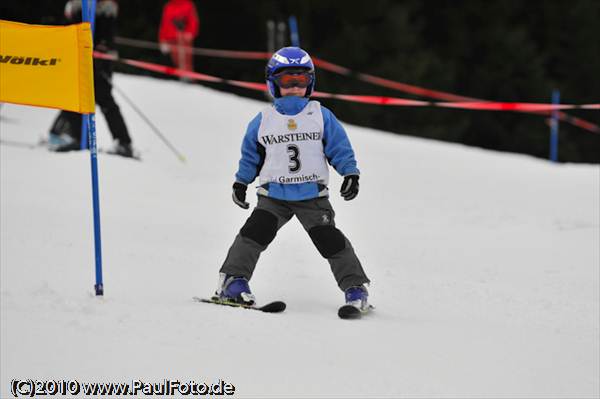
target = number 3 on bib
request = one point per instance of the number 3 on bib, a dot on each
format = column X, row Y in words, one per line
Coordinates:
column 294, row 153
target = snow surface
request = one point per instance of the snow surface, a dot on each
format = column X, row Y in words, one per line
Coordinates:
column 485, row 266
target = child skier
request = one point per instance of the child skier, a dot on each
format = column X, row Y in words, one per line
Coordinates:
column 287, row 146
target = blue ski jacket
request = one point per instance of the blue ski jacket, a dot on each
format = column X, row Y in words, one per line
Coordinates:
column 337, row 148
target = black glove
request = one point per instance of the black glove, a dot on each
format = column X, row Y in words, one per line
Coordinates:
column 239, row 195
column 349, row 188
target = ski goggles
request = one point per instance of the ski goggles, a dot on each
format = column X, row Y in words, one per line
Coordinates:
column 287, row 79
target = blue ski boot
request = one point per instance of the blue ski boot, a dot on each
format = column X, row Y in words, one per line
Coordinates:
column 234, row 289
column 357, row 303
column 357, row 296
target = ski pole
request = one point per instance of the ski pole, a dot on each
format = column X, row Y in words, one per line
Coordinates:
column 146, row 119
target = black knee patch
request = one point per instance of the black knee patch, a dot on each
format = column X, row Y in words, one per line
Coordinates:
column 260, row 227
column 328, row 240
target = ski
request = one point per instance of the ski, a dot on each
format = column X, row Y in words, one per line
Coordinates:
column 352, row 312
column 43, row 144
column 344, row 312
column 135, row 156
column 271, row 307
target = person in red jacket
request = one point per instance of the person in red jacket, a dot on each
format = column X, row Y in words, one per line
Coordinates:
column 178, row 29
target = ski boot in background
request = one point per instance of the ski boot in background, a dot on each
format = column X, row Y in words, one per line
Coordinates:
column 62, row 143
column 122, row 149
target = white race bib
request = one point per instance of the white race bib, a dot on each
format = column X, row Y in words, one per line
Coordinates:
column 294, row 146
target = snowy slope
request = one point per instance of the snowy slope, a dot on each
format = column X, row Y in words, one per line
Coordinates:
column 485, row 266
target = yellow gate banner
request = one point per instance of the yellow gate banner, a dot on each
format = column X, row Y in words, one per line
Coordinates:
column 47, row 66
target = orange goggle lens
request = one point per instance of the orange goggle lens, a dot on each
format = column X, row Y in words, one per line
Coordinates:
column 287, row 80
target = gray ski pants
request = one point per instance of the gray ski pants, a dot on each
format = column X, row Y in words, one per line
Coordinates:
column 317, row 218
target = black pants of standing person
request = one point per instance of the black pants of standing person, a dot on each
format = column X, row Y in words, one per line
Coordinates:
column 70, row 122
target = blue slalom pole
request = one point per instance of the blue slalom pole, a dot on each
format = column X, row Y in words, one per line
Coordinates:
column 99, row 287
column 89, row 120
column 92, row 12
column 554, row 127
column 86, row 8
column 294, row 35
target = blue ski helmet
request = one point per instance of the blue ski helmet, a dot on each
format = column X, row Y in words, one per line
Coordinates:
column 289, row 57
